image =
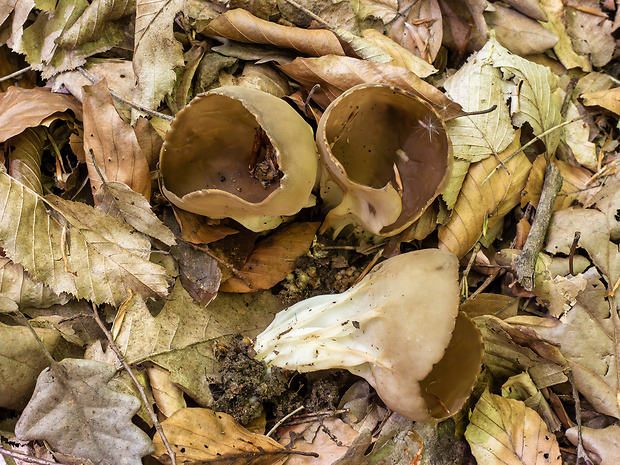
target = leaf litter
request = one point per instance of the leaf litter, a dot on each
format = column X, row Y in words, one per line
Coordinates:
column 85, row 219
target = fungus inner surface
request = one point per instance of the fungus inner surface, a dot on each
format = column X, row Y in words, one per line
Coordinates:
column 211, row 146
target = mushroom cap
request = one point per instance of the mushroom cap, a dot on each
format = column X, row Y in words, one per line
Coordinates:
column 207, row 151
column 392, row 328
column 385, row 156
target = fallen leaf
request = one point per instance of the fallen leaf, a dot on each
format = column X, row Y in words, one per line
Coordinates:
column 199, row 229
column 112, row 142
column 604, row 442
column 78, row 249
column 273, row 258
column 168, row 395
column 608, row 99
column 505, row 431
column 484, row 201
column 28, row 108
column 335, row 74
column 200, row 435
column 242, row 26
column 119, row 200
column 21, row 361
column 198, row 271
column 25, row 158
column 590, row 33
column 75, row 411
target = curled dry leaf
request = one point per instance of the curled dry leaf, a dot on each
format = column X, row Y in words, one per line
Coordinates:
column 335, row 74
column 28, row 108
column 112, row 142
column 483, row 200
column 242, row 26
column 239, row 153
column 503, row 431
column 422, row 358
column 273, row 258
column 199, row 435
column 25, row 158
column 385, row 155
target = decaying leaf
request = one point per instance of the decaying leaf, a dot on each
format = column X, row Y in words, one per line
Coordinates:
column 201, row 435
column 118, row 199
column 604, row 442
column 242, row 26
column 506, row 431
column 21, row 361
column 75, row 411
column 25, row 158
column 484, row 201
column 28, row 108
column 590, row 31
column 608, row 99
column 273, row 258
column 112, row 142
column 74, row 248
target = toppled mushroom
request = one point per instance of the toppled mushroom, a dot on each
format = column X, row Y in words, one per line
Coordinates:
column 385, row 157
column 399, row 328
column 239, row 153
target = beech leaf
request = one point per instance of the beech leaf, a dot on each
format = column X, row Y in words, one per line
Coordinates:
column 21, row 361
column 505, row 431
column 201, row 435
column 74, row 248
column 17, row 285
column 75, row 411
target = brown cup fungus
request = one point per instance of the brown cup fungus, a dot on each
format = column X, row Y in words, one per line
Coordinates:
column 399, row 328
column 239, row 153
column 385, row 156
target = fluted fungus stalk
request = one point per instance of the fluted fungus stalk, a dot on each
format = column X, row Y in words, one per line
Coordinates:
column 385, row 156
column 239, row 153
column 399, row 328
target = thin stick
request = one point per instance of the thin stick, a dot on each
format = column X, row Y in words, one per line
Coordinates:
column 581, row 453
column 117, row 96
column 147, row 405
column 525, row 263
column 282, row 420
column 25, row 457
column 15, row 74
column 317, row 18
column 36, row 337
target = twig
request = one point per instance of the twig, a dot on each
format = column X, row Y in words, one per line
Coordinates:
column 282, row 420
column 314, row 16
column 525, row 263
column 581, row 453
column 472, row 259
column 36, row 337
column 147, row 404
column 15, row 74
column 26, row 457
column 118, row 97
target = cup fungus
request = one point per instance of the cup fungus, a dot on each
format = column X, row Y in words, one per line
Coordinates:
column 399, row 328
column 385, row 156
column 239, row 153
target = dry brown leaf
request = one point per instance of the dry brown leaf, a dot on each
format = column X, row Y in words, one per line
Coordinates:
column 481, row 202
column 608, row 99
column 149, row 140
column 273, row 258
column 28, row 108
column 505, row 431
column 200, row 435
column 199, row 229
column 335, row 74
column 112, row 142
column 604, row 442
column 242, row 26
column 573, row 187
column 464, row 28
column 25, row 158
column 419, row 29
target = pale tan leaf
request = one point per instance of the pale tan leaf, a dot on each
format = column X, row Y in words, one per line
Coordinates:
column 576, row 136
column 273, row 258
column 169, row 396
column 75, row 248
column 364, row 48
column 506, row 432
column 385, row 10
column 75, row 411
column 156, row 51
column 112, row 142
column 17, row 285
column 483, row 201
column 27, row 108
column 336, row 74
column 21, row 361
column 608, row 99
column 242, row 26
column 400, row 55
column 118, row 199
column 591, row 33
column 477, row 86
column 604, row 442
column 419, row 29
column 149, row 140
column 204, row 436
column 25, row 158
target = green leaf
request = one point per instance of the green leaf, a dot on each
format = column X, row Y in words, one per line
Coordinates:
column 75, row 248
column 75, row 411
